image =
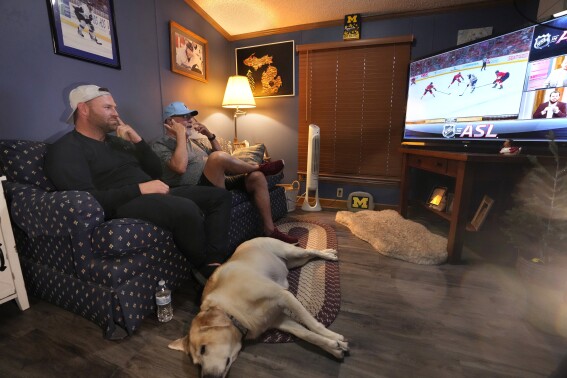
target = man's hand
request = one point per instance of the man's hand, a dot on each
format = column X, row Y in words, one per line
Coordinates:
column 126, row 132
column 177, row 129
column 154, row 186
column 200, row 128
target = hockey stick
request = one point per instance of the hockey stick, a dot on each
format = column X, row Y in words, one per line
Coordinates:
column 443, row 92
column 464, row 90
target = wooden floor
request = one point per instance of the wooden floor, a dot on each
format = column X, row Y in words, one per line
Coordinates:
column 401, row 319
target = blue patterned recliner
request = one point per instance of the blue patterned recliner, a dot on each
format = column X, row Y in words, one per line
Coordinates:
column 105, row 271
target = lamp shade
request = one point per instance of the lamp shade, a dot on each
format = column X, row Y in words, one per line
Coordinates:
column 238, row 93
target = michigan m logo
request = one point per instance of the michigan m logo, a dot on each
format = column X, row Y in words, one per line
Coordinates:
column 360, row 203
column 352, row 18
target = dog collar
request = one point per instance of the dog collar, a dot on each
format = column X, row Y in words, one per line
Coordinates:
column 243, row 330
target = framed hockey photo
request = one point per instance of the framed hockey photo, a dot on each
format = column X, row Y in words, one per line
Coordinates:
column 270, row 68
column 189, row 52
column 85, row 30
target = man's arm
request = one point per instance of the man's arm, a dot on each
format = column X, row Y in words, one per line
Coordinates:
column 537, row 113
column 562, row 113
column 149, row 161
column 202, row 129
column 179, row 159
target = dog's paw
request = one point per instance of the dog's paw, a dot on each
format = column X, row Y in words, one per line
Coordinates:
column 329, row 254
column 339, row 349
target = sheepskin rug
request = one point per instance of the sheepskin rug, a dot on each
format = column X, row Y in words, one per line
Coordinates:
column 393, row 236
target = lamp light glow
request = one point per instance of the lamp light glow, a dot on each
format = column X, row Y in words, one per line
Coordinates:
column 238, row 95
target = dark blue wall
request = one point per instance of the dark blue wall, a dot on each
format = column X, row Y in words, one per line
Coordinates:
column 35, row 82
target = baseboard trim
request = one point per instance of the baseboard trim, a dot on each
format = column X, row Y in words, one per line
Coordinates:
column 337, row 204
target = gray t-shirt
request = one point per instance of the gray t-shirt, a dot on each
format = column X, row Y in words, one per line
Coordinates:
column 198, row 153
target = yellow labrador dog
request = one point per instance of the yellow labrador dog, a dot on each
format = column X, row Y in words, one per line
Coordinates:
column 248, row 295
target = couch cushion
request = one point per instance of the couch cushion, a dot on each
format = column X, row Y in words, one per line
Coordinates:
column 22, row 161
column 118, row 235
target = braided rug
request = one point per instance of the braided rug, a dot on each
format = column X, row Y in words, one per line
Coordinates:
column 316, row 284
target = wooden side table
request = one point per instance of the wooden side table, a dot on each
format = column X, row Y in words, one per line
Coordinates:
column 465, row 169
column 11, row 281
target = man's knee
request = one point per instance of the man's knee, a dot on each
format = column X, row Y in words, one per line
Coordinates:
column 256, row 181
column 217, row 157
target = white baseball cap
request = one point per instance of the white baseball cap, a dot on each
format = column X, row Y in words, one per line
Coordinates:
column 84, row 93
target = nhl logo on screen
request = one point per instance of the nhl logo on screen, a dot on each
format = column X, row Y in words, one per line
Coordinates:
column 448, row 131
column 542, row 41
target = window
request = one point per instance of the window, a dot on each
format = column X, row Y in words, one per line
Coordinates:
column 356, row 94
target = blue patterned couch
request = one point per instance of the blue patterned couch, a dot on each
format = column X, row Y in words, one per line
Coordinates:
column 105, row 271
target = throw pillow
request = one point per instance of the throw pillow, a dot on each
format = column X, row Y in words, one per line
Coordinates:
column 252, row 154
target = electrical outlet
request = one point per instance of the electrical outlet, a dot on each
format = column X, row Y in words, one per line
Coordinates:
column 339, row 192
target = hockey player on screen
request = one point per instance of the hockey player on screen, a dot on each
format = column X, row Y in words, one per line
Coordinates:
column 412, row 81
column 85, row 17
column 500, row 78
column 458, row 77
column 429, row 89
column 472, row 83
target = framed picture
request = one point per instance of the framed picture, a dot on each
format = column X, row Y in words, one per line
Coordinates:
column 270, row 68
column 85, row 30
column 482, row 212
column 189, row 52
column 438, row 198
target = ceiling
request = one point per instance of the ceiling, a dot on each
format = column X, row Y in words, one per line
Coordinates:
column 247, row 18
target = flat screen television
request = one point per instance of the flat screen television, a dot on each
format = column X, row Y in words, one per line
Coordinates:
column 478, row 95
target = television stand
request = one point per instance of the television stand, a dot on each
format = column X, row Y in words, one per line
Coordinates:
column 465, row 168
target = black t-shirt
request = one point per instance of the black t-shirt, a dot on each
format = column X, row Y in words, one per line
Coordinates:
column 110, row 170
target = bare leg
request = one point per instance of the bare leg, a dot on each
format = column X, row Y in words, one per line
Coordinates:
column 257, row 186
column 219, row 163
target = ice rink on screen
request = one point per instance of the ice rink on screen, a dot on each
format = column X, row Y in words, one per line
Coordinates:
column 458, row 101
column 71, row 38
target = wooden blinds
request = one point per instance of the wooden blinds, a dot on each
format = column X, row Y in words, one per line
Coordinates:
column 356, row 94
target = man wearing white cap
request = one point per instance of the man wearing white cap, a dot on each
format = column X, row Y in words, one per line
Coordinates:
column 122, row 173
column 188, row 161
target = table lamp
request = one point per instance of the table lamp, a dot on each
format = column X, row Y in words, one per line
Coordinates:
column 238, row 95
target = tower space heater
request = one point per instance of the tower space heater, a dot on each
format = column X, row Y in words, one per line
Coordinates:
column 311, row 201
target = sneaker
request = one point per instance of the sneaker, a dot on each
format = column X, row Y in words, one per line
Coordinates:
column 277, row 234
column 271, row 167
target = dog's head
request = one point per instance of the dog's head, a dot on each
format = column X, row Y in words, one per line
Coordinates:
column 213, row 342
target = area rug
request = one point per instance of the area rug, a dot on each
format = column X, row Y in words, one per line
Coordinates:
column 393, row 236
column 315, row 284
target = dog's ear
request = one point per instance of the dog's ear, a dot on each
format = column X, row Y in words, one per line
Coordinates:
column 180, row 344
column 212, row 317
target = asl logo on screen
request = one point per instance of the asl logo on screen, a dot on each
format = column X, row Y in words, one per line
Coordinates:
column 478, row 131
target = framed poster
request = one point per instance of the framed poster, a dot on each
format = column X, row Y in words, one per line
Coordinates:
column 85, row 30
column 189, row 52
column 270, row 68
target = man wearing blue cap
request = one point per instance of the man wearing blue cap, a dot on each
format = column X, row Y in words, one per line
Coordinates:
column 122, row 173
column 188, row 161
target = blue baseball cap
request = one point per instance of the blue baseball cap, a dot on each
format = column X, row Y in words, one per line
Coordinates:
column 177, row 109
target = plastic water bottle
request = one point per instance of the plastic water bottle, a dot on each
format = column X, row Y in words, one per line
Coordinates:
column 163, row 302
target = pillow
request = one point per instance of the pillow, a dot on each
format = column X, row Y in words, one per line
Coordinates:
column 22, row 161
column 252, row 154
